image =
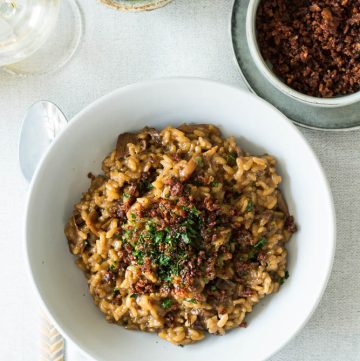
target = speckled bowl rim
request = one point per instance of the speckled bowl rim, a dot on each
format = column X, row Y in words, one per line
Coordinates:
column 138, row 6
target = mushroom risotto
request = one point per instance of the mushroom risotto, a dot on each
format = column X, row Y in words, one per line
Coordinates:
column 183, row 233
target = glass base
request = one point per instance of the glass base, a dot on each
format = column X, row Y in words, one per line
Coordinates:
column 135, row 5
column 59, row 48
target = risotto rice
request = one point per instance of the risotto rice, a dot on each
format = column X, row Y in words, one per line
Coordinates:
column 183, row 233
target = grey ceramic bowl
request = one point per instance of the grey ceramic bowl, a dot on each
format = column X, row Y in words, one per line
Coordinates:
column 266, row 71
column 135, row 5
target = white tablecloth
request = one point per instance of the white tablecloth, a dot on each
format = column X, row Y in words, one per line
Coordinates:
column 186, row 38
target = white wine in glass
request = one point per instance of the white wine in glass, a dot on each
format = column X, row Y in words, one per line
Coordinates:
column 38, row 36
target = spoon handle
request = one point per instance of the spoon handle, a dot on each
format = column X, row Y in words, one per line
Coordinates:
column 42, row 123
column 52, row 343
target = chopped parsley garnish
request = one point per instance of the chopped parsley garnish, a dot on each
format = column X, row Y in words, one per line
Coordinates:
column 112, row 267
column 134, row 295
column 213, row 288
column 116, row 291
column 231, row 158
column 164, row 260
column 261, row 243
column 159, row 236
column 249, row 207
column 133, row 216
column 127, row 233
column 167, row 303
column 185, row 237
column 252, row 255
column 191, row 300
column 282, row 279
column 150, row 227
column 139, row 255
column 215, row 184
column 126, row 195
column 199, row 161
column 167, row 248
column 145, row 186
column 192, row 211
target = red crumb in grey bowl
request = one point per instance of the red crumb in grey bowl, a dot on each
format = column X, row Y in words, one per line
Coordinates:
column 312, row 46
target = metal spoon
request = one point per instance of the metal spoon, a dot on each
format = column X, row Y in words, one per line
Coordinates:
column 41, row 124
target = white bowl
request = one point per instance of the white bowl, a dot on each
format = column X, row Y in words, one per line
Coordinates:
column 266, row 71
column 259, row 127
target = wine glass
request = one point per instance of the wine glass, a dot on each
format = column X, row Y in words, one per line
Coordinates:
column 38, row 36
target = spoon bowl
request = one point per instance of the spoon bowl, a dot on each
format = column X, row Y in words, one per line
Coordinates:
column 42, row 123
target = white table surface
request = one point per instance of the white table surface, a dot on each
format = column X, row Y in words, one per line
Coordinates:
column 186, row 38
